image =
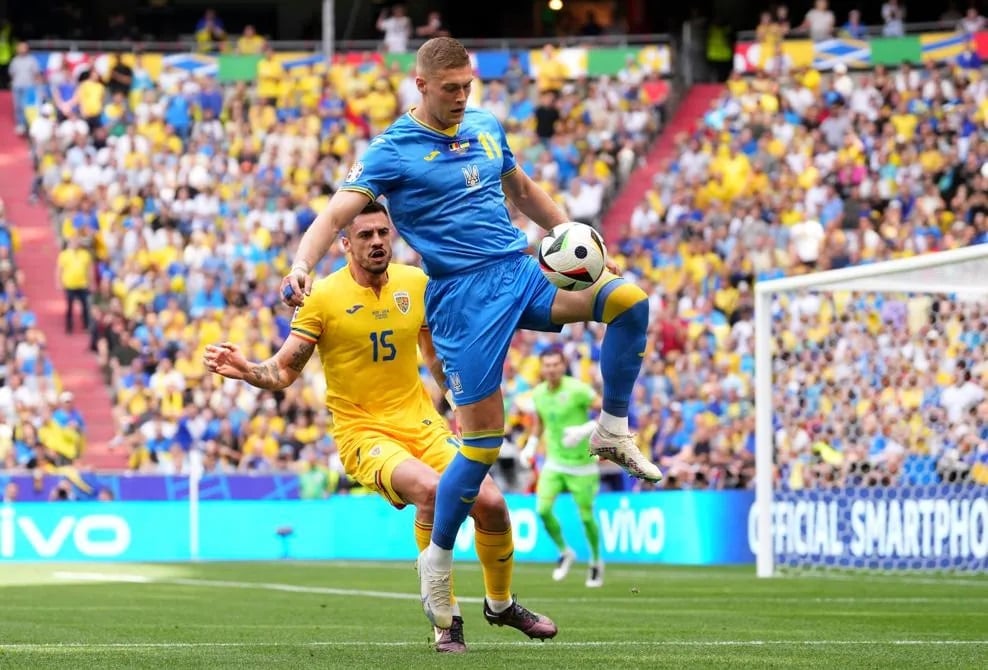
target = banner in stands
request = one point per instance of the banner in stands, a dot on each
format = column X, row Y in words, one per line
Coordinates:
column 678, row 527
column 749, row 57
column 490, row 64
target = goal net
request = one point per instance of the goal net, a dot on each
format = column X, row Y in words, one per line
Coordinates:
column 872, row 416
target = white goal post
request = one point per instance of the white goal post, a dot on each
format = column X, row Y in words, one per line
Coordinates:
column 954, row 274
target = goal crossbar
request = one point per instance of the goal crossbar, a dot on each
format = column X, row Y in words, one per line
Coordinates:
column 956, row 271
column 901, row 271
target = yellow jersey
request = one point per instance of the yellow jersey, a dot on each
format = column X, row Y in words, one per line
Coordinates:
column 75, row 268
column 368, row 345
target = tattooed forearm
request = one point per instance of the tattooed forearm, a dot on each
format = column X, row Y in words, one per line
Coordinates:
column 301, row 356
column 265, row 375
column 280, row 371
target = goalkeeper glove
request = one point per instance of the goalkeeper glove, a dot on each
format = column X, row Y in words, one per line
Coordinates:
column 573, row 435
column 527, row 455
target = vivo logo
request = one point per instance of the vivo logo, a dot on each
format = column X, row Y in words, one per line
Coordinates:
column 93, row 535
column 628, row 531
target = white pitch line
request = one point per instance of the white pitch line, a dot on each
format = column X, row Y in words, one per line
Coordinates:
column 603, row 644
column 262, row 586
column 700, row 599
column 392, row 595
column 101, row 577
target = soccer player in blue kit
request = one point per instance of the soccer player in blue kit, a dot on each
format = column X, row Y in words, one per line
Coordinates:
column 446, row 171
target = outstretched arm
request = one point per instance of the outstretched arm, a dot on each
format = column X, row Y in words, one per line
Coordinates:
column 342, row 208
column 276, row 373
column 531, row 200
column 573, row 435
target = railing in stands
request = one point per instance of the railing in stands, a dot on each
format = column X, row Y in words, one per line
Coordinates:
column 185, row 45
column 873, row 31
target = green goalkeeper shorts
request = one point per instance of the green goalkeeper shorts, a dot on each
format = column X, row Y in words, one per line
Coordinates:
column 583, row 487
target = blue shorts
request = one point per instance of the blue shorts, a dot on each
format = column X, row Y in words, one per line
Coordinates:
column 474, row 315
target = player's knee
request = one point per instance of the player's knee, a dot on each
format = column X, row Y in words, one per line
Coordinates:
column 490, row 512
column 637, row 313
column 622, row 299
column 482, row 422
column 422, row 494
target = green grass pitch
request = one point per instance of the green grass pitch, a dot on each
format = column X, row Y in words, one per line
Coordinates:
column 367, row 615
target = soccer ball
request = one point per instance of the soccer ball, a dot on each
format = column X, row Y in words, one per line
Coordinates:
column 572, row 256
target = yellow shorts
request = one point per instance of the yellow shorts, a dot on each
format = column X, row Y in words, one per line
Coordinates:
column 371, row 456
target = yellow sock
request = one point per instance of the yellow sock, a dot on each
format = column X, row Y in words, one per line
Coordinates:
column 496, row 551
column 423, row 536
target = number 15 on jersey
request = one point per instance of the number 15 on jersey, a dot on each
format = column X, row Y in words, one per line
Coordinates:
column 382, row 347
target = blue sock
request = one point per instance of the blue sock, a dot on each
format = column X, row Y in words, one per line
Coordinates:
column 460, row 484
column 624, row 308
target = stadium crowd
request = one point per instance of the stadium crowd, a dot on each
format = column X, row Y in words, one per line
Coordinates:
column 814, row 171
column 39, row 424
column 191, row 197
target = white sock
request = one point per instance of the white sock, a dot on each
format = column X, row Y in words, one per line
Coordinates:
column 616, row 425
column 456, row 609
column 439, row 557
column 498, row 606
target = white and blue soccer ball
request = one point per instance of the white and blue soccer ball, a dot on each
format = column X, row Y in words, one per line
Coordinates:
column 573, row 256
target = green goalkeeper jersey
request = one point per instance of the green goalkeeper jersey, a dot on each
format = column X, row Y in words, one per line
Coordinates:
column 558, row 409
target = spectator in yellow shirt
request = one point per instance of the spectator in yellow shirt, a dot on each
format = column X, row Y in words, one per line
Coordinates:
column 91, row 96
column 74, row 269
column 381, row 106
column 250, row 43
column 210, row 32
column 552, row 72
column 66, row 193
column 904, row 122
column 269, row 76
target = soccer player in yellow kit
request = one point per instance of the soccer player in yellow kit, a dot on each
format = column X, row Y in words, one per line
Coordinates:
column 366, row 320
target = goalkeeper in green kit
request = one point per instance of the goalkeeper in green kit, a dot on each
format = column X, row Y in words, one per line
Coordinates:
column 562, row 423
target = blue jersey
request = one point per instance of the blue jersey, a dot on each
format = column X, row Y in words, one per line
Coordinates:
column 444, row 190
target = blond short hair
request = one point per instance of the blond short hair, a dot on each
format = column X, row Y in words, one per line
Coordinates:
column 441, row 53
